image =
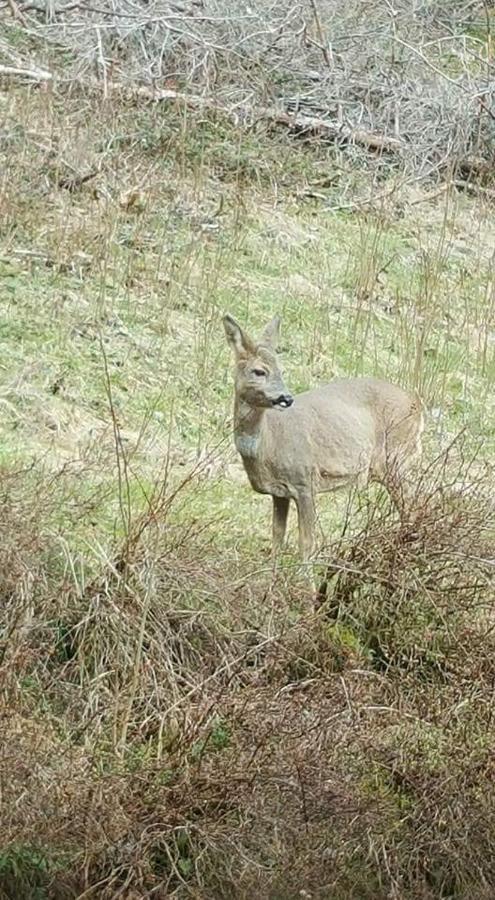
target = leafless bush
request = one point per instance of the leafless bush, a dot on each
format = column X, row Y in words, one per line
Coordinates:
column 418, row 75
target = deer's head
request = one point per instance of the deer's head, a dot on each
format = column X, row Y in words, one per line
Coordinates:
column 258, row 379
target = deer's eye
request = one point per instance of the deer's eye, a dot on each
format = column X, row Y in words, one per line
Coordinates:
column 260, row 373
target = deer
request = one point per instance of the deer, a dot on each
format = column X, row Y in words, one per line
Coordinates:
column 351, row 431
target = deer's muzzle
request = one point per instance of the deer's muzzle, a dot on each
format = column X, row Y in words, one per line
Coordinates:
column 284, row 401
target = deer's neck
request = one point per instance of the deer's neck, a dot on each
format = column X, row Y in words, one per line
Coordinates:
column 248, row 430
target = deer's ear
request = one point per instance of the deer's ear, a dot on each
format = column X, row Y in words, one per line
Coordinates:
column 271, row 334
column 236, row 337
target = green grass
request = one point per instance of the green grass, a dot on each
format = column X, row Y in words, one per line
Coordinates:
column 361, row 293
column 26, row 871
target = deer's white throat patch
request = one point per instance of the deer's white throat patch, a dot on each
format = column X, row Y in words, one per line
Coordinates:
column 247, row 445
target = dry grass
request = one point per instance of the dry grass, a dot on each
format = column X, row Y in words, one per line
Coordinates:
column 168, row 728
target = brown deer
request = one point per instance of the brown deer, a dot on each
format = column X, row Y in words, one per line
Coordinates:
column 351, row 431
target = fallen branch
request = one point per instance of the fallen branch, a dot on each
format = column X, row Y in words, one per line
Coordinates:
column 334, row 131
column 32, row 74
column 301, row 124
column 191, row 101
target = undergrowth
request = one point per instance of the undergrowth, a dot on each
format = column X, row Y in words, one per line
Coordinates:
column 174, row 726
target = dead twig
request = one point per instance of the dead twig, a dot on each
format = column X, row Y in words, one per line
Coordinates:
column 16, row 12
column 72, row 183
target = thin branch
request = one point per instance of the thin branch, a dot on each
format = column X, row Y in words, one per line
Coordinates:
column 323, row 43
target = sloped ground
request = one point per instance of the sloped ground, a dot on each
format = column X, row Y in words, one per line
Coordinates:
column 177, row 721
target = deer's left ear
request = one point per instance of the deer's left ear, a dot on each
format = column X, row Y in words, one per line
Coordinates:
column 237, row 338
column 271, row 334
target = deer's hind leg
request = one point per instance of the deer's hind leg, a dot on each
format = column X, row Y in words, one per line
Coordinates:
column 306, row 516
column 395, row 476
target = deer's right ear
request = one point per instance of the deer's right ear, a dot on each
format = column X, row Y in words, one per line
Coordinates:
column 271, row 334
column 239, row 341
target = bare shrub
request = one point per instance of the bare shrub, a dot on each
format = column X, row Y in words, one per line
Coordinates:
column 418, row 73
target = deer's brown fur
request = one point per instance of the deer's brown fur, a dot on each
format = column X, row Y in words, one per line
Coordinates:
column 353, row 430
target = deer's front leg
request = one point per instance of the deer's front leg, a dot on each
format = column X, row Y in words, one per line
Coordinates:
column 280, row 515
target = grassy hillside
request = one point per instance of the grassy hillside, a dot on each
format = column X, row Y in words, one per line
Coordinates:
column 177, row 720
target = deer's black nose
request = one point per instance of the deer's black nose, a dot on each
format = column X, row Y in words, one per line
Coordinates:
column 284, row 401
